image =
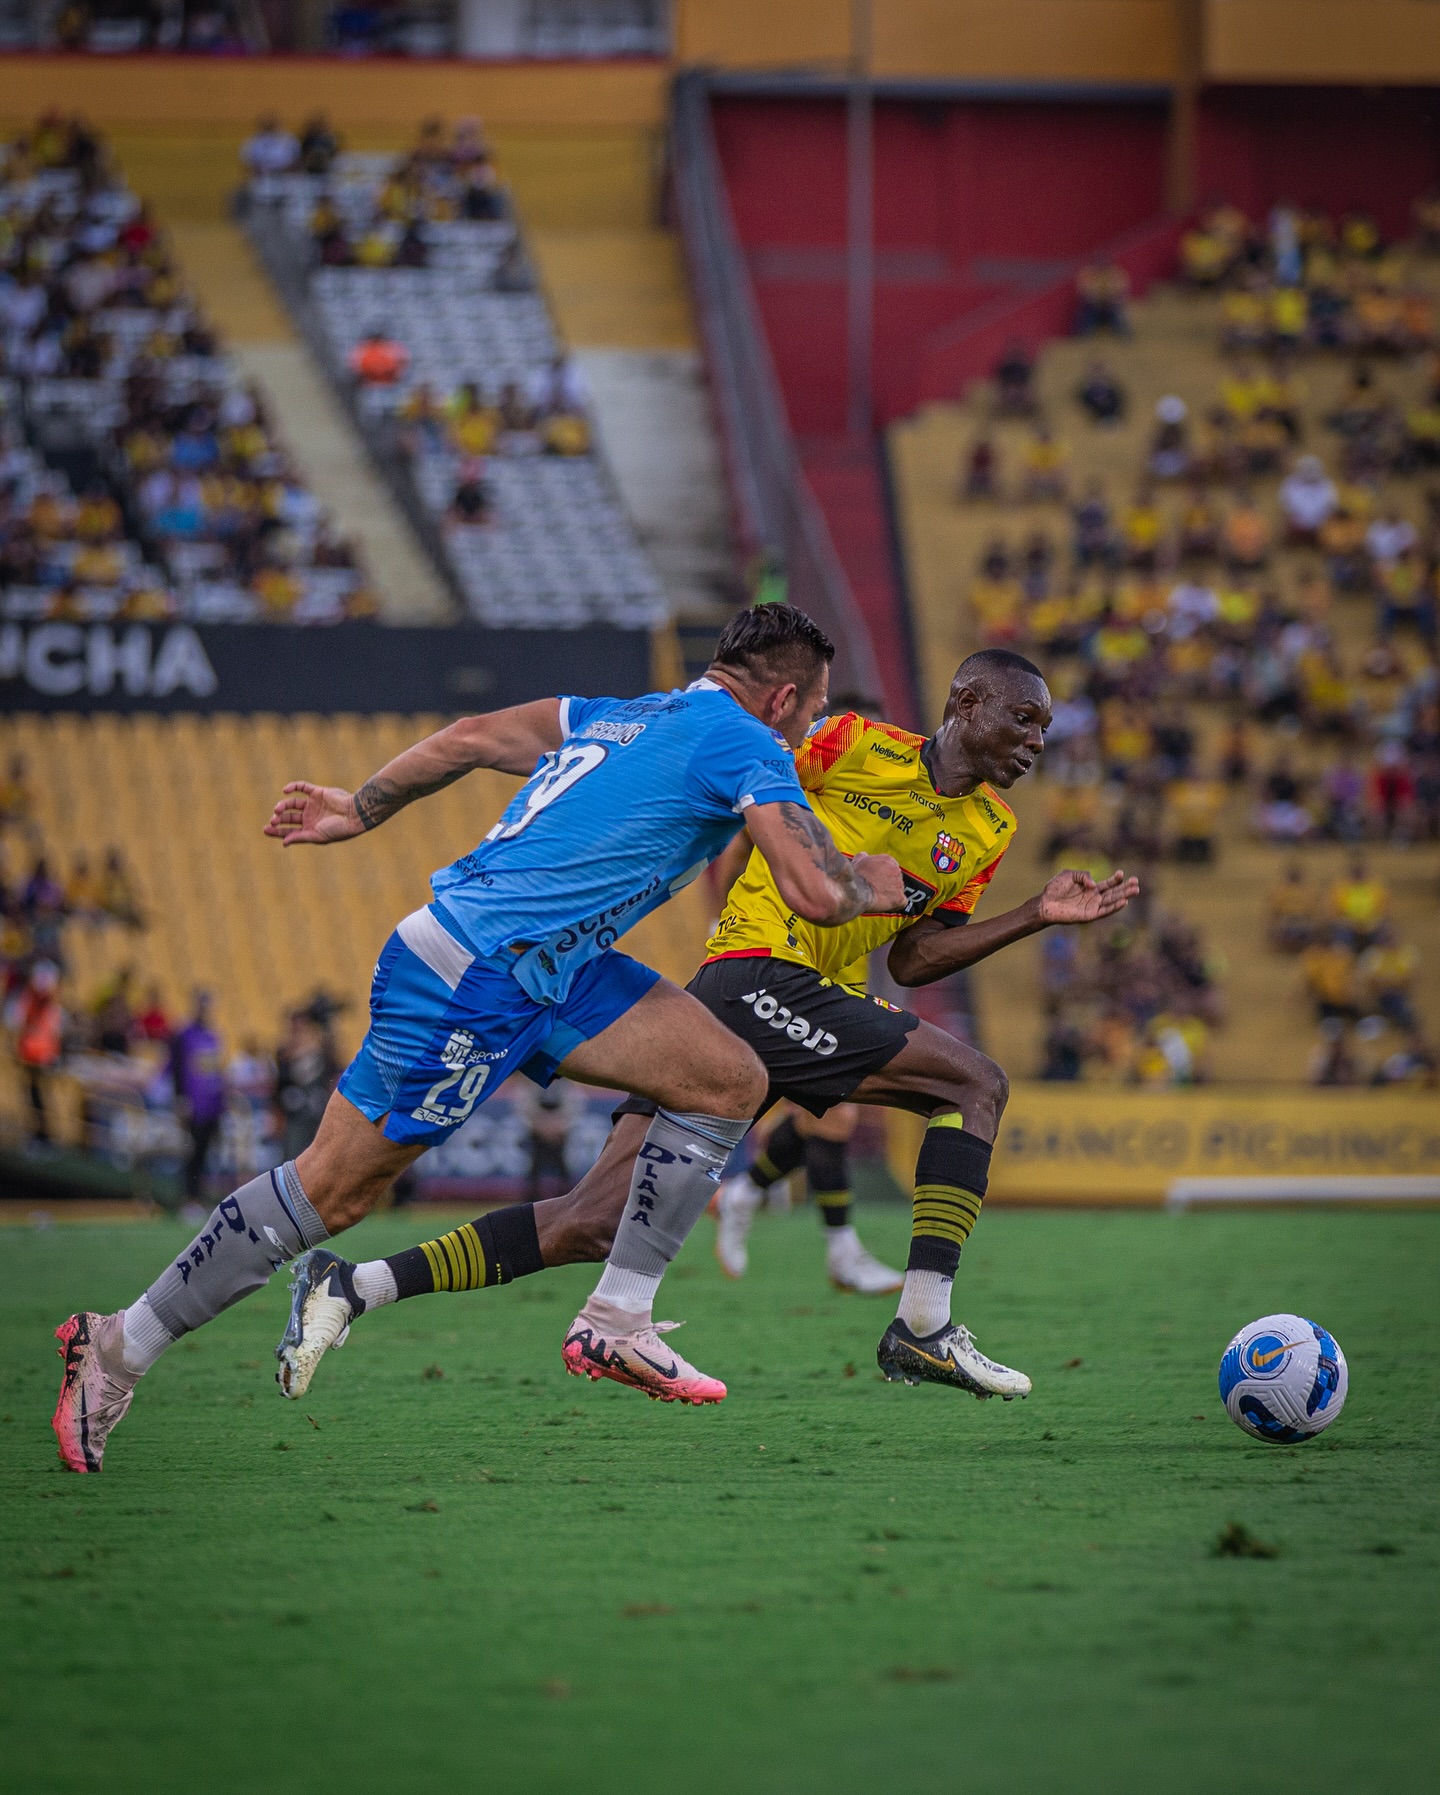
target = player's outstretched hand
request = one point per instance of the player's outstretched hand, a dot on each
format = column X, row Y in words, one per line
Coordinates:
column 881, row 872
column 1076, row 897
column 313, row 813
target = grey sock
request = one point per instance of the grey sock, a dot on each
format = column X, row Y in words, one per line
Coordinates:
column 675, row 1177
column 251, row 1233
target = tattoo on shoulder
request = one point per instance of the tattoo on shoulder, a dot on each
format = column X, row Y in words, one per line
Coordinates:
column 377, row 799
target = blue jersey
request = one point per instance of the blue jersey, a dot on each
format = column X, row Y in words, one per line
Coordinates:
column 640, row 797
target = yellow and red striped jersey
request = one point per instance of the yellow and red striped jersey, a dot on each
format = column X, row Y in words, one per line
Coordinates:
column 868, row 784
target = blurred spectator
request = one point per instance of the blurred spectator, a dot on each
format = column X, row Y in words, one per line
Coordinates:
column 1281, row 816
column 17, row 797
column 1388, row 970
column 270, row 150
column 1331, row 977
column 198, row 1071
column 1392, row 788
column 119, row 898
column 378, row 359
column 1102, row 299
column 152, row 1023
column 1170, row 457
column 1359, row 903
column 548, row 1122
column 1308, row 497
column 470, row 506
column 512, row 271
column 981, row 473
column 1332, row 1062
column 1042, row 468
column 1015, row 383
column 37, row 1026
column 1292, row 905
column 305, row 1074
column 319, row 146
column 1100, row 395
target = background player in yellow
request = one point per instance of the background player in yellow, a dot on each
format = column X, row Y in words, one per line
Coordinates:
column 933, row 804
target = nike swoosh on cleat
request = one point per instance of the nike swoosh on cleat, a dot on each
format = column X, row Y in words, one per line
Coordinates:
column 672, row 1370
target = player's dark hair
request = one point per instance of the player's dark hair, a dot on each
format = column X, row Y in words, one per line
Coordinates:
column 774, row 642
column 1000, row 660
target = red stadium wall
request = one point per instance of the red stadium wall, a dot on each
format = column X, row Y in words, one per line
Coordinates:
column 1330, row 147
column 973, row 202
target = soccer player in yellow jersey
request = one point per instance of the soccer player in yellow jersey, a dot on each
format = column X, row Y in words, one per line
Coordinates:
column 786, row 988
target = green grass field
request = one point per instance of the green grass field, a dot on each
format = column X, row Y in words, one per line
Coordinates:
column 453, row 1566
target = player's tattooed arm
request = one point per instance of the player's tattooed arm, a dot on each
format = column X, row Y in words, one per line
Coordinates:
column 509, row 741
column 930, row 949
column 813, row 877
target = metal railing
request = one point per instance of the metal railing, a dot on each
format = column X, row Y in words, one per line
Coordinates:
column 775, row 510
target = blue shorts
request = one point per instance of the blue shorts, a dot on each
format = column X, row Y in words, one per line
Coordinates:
column 446, row 1030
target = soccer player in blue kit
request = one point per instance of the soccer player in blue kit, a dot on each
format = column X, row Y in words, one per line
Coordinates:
column 513, row 965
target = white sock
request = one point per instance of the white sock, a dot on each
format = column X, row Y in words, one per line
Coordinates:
column 746, row 1194
column 375, row 1284
column 925, row 1301
column 145, row 1337
column 633, row 1291
column 840, row 1243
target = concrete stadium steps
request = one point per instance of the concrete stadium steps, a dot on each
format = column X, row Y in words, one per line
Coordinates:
column 230, row 909
column 1174, row 349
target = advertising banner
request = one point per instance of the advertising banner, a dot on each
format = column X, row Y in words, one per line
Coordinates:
column 360, row 667
column 1089, row 1144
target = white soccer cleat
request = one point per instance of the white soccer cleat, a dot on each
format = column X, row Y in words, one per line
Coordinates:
column 852, row 1267
column 95, row 1390
column 948, row 1356
column 735, row 1204
column 596, row 1346
column 323, row 1303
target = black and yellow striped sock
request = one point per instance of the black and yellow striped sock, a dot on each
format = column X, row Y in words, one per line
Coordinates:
column 828, row 1170
column 493, row 1249
column 950, row 1179
column 782, row 1154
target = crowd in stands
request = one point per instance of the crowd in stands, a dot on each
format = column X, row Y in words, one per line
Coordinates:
column 1252, row 628
column 417, row 277
column 158, row 1092
column 40, row 902
column 140, row 476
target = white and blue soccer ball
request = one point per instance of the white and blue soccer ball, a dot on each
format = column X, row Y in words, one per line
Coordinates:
column 1283, row 1379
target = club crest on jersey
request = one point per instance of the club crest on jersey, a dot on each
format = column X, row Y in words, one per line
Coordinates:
column 947, row 853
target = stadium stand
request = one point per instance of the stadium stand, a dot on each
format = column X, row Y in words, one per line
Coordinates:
column 412, row 280
column 150, row 481
column 1229, row 572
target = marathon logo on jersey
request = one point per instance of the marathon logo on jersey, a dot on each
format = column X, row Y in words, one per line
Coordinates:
column 770, row 1010
column 621, row 734
column 947, row 854
column 887, row 813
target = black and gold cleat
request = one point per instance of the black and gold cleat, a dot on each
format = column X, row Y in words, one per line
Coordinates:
column 948, row 1356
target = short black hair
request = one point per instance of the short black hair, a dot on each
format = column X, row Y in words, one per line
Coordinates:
column 999, row 659
column 774, row 642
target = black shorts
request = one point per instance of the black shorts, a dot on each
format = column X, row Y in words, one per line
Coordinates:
column 817, row 1040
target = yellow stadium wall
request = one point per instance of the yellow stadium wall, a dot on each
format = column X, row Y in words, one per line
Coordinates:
column 1393, row 41
column 210, row 93
column 1087, row 1144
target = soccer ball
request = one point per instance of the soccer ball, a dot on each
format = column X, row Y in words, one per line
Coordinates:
column 1283, row 1379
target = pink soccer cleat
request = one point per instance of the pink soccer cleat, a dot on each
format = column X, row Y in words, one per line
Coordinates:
column 96, row 1389
column 637, row 1357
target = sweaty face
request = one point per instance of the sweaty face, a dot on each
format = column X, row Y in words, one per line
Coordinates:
column 1002, row 730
